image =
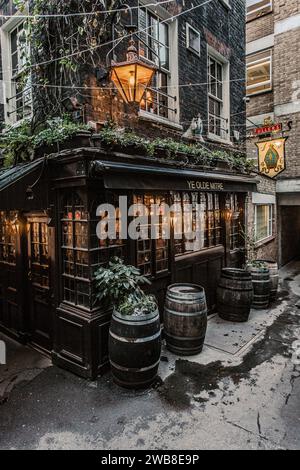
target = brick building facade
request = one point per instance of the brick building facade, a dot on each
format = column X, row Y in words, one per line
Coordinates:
column 273, row 89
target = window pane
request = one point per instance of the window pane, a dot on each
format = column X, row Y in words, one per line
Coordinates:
column 259, row 72
column 263, row 222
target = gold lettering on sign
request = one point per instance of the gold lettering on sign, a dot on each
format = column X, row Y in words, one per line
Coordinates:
column 205, row 186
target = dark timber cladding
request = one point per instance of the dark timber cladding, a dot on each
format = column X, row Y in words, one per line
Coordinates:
column 49, row 251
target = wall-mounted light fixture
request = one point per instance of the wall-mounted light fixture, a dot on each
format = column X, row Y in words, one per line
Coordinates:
column 133, row 76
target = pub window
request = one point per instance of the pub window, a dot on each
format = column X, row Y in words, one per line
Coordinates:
column 102, row 250
column 258, row 8
column 159, row 98
column 263, row 221
column 217, row 113
column 235, row 222
column 75, row 252
column 153, row 254
column 197, row 221
column 259, row 72
column 8, row 237
column 39, row 242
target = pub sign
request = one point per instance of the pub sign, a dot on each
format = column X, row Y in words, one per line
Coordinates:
column 271, row 157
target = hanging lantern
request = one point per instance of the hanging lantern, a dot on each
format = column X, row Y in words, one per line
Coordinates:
column 133, row 76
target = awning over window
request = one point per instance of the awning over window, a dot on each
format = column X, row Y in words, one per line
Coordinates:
column 14, row 183
column 119, row 175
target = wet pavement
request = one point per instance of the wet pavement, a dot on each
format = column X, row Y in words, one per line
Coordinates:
column 242, row 392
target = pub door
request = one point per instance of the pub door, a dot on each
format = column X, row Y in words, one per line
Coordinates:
column 39, row 290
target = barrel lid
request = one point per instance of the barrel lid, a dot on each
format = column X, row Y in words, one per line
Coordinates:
column 236, row 273
column 186, row 290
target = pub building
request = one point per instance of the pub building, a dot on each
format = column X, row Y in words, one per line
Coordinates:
column 49, row 248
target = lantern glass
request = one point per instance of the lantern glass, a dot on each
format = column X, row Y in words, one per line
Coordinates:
column 132, row 79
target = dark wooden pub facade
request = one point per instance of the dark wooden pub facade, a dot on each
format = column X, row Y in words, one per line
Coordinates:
column 49, row 249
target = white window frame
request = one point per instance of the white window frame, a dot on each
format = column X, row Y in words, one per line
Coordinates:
column 212, row 53
column 188, row 45
column 269, row 3
column 267, row 82
column 173, row 77
column 8, row 87
column 270, row 222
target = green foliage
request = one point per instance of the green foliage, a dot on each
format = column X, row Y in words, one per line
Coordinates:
column 17, row 144
column 137, row 306
column 256, row 264
column 182, row 152
column 58, row 130
column 20, row 142
column 121, row 286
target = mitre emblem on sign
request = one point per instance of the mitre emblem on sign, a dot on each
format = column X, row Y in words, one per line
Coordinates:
column 271, row 157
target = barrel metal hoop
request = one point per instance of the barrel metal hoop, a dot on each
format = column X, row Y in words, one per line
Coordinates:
column 142, row 322
column 135, row 340
column 132, row 369
column 186, row 314
column 235, row 289
column 186, row 338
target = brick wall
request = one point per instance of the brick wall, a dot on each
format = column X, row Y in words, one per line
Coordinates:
column 285, row 8
column 220, row 27
column 260, row 27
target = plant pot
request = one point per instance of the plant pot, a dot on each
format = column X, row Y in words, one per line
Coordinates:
column 134, row 349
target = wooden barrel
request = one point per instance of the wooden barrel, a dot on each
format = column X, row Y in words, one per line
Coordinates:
column 185, row 319
column 235, row 295
column 261, row 286
column 274, row 277
column 134, row 349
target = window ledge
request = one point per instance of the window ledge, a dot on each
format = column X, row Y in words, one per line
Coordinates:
column 265, row 241
column 257, row 93
column 219, row 139
column 157, row 119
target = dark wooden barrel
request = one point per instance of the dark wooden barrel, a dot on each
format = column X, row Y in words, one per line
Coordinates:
column 274, row 277
column 235, row 295
column 134, row 349
column 261, row 286
column 185, row 319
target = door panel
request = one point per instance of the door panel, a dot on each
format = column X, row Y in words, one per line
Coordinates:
column 40, row 294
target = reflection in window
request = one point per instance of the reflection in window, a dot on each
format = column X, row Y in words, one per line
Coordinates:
column 235, row 232
column 197, row 221
column 263, row 221
column 153, row 254
column 39, row 259
column 155, row 48
column 75, row 253
column 8, row 237
column 259, row 74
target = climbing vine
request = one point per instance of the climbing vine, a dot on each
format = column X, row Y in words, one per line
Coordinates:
column 63, row 50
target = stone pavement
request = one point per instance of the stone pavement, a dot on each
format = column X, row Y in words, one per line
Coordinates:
column 242, row 392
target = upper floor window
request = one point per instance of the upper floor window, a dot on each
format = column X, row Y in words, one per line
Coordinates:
column 154, row 46
column 257, row 8
column 15, row 50
column 218, row 109
column 259, row 72
column 192, row 39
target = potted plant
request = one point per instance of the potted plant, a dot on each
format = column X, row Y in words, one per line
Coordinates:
column 135, row 333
